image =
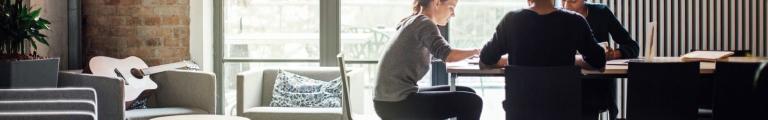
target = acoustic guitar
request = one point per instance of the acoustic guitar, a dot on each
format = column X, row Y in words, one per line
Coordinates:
column 133, row 71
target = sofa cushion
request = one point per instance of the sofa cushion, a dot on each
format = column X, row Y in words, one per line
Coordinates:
column 269, row 76
column 149, row 113
column 292, row 90
column 283, row 113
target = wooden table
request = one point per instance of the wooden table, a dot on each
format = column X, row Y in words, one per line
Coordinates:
column 612, row 71
column 200, row 117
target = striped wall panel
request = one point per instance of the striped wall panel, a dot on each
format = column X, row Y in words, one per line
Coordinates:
column 685, row 25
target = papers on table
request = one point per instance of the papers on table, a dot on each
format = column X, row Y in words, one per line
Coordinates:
column 706, row 55
column 467, row 62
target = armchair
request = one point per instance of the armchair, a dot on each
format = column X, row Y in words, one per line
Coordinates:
column 254, row 93
column 179, row 92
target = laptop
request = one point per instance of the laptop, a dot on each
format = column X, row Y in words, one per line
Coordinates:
column 650, row 47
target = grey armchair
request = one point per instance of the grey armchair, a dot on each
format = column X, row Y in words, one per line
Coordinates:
column 179, row 92
column 48, row 104
column 254, row 93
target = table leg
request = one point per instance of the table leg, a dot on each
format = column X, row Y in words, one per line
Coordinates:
column 452, row 81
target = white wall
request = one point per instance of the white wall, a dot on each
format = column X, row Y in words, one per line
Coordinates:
column 201, row 33
column 56, row 12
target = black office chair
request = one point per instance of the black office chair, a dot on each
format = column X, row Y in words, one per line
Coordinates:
column 662, row 91
column 706, row 85
column 543, row 93
column 734, row 97
column 761, row 90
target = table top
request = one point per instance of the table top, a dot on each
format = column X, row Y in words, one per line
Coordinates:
column 611, row 70
column 200, row 117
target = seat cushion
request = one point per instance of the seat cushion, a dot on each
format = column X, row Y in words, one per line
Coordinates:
column 284, row 113
column 146, row 114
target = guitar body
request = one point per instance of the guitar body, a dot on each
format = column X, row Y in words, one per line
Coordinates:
column 121, row 68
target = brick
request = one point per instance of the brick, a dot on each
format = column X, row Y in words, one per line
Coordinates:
column 133, row 21
column 152, row 20
column 128, row 10
column 152, row 42
column 171, row 20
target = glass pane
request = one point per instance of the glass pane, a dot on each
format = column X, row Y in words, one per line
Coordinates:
column 271, row 29
column 476, row 20
column 367, row 25
column 230, row 79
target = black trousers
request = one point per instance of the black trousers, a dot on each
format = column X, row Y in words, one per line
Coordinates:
column 433, row 103
column 598, row 95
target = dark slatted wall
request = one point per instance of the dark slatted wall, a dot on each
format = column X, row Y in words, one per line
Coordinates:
column 696, row 24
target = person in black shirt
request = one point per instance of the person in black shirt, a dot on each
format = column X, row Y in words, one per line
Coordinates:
column 542, row 36
column 599, row 95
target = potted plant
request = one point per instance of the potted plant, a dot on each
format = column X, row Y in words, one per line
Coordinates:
column 20, row 31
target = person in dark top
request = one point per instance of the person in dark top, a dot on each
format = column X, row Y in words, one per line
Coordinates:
column 542, row 36
column 600, row 94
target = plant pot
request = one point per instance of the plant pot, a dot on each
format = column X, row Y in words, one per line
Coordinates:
column 38, row 73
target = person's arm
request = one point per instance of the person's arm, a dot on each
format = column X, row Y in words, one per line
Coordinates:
column 461, row 54
column 439, row 47
column 628, row 48
column 492, row 52
column 592, row 55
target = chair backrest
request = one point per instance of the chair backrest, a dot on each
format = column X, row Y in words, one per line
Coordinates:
column 543, row 93
column 761, row 88
column 662, row 91
column 733, row 90
column 345, row 87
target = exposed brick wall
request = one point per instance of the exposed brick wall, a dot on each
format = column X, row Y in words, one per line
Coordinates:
column 154, row 30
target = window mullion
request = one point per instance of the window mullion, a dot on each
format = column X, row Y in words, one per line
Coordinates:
column 330, row 31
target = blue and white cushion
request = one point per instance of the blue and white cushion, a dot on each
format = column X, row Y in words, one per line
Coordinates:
column 292, row 90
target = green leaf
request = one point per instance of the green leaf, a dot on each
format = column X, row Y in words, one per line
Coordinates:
column 34, row 46
column 35, row 13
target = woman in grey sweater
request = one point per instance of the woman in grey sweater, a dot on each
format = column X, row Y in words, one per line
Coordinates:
column 407, row 60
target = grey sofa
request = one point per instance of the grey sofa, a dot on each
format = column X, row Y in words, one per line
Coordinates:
column 179, row 92
column 254, row 93
column 48, row 104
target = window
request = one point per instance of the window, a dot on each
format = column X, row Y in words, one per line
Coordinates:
column 271, row 29
column 279, row 33
column 259, row 32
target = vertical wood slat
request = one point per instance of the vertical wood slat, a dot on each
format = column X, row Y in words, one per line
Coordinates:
column 684, row 25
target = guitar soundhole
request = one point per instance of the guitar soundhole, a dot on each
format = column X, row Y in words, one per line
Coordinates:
column 137, row 73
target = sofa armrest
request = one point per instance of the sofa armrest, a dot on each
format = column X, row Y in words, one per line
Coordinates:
column 249, row 90
column 48, row 103
column 109, row 91
column 181, row 88
column 357, row 79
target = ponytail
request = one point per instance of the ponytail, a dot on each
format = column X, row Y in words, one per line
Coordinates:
column 419, row 6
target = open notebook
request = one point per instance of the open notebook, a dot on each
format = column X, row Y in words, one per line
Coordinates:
column 706, row 55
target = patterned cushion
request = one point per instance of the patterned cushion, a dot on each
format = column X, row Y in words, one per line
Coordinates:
column 292, row 90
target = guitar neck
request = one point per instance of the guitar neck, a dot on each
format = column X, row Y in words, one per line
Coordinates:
column 165, row 67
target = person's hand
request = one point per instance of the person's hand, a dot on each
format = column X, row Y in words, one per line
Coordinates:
column 612, row 54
